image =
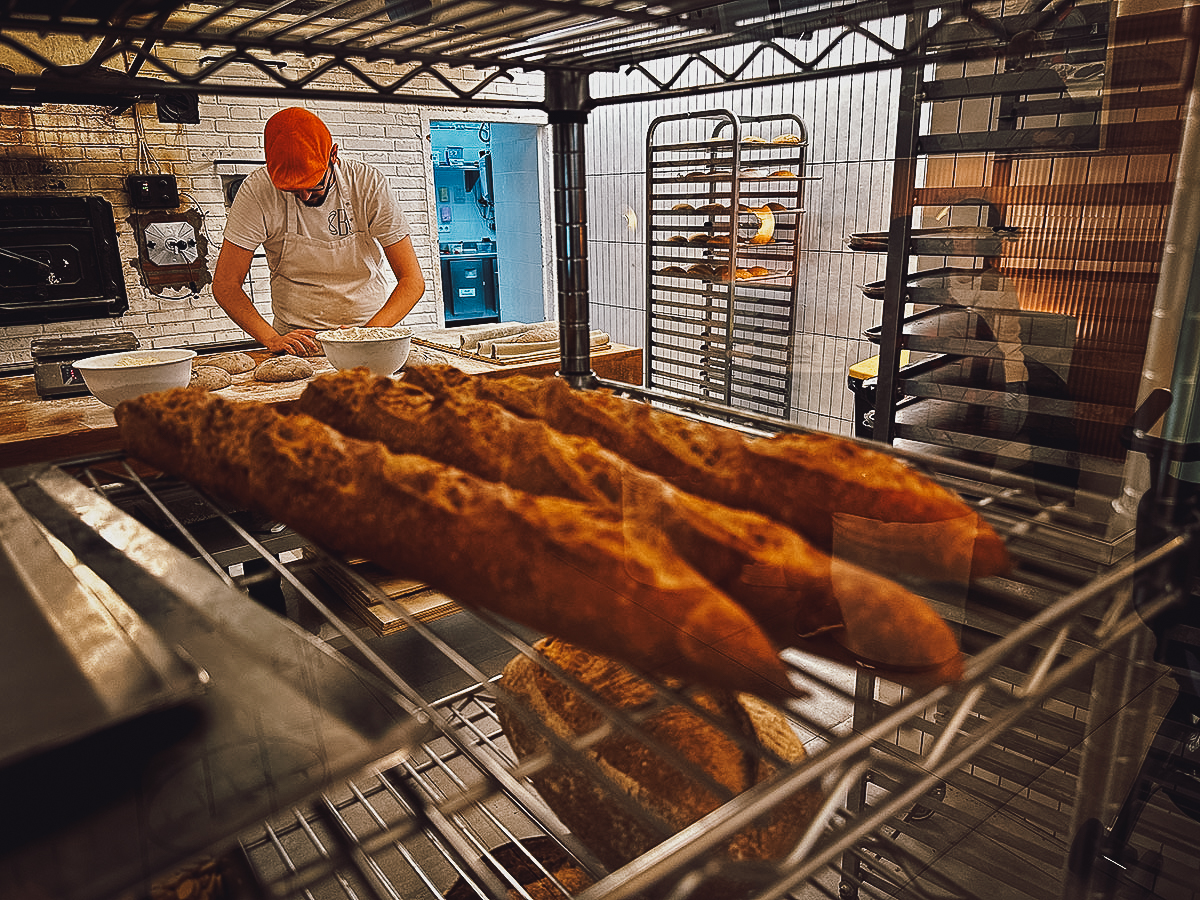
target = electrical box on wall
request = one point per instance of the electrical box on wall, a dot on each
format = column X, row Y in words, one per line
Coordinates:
column 152, row 191
column 182, row 109
column 172, row 249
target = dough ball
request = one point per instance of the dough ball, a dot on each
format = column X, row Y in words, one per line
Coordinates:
column 423, row 356
column 210, row 378
column 233, row 363
column 283, row 368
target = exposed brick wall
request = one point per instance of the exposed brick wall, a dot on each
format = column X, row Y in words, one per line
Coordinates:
column 62, row 149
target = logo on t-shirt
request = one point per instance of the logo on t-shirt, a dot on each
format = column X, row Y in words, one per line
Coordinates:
column 340, row 223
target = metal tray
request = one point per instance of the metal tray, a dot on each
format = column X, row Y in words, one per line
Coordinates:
column 964, row 241
column 74, row 658
column 282, row 717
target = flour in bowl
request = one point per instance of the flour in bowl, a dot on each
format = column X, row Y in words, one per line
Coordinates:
column 364, row 333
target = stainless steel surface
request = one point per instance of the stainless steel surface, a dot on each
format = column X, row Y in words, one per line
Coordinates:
column 74, row 658
column 281, row 717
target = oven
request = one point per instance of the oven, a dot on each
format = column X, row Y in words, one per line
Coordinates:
column 59, row 260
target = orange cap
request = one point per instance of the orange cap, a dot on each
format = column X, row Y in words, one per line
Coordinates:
column 297, row 146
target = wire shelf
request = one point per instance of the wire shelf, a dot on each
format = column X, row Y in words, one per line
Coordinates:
column 914, row 779
column 452, row 51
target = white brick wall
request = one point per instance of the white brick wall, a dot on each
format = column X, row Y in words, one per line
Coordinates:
column 61, row 149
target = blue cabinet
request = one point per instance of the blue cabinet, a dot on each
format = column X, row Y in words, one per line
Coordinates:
column 469, row 288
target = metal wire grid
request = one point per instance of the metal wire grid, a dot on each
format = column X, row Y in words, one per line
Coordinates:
column 412, row 829
column 1022, row 145
column 421, row 41
column 726, row 335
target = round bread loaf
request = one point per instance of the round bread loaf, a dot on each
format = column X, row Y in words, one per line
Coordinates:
column 210, row 378
column 515, row 860
column 664, row 786
column 233, row 363
column 204, row 879
column 283, row 368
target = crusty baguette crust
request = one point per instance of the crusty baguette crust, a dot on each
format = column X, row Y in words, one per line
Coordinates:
column 790, row 588
column 642, row 794
column 556, row 565
column 482, row 438
column 846, row 498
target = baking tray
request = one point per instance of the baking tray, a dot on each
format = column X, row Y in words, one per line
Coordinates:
column 282, row 717
column 953, row 241
column 74, row 658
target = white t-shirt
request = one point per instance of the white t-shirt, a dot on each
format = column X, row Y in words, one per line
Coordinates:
column 346, row 233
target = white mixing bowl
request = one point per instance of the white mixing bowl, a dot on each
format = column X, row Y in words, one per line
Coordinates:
column 113, row 377
column 382, row 350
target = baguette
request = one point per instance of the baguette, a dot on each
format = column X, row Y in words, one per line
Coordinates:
column 848, row 499
column 555, row 565
column 647, row 785
column 792, row 590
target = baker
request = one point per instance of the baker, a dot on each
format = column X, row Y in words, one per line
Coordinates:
column 327, row 226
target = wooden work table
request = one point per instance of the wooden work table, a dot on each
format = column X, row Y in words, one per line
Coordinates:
column 37, row 430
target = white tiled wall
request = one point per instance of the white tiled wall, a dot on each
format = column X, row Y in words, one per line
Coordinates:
column 851, row 129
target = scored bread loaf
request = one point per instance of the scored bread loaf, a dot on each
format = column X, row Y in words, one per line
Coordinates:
column 791, row 589
column 556, row 565
column 848, row 499
column 646, row 785
column 543, row 869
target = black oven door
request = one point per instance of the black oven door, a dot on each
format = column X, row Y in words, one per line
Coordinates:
column 59, row 260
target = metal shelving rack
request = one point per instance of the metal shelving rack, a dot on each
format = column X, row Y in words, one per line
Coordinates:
column 428, row 816
column 721, row 303
column 1026, row 239
column 1072, row 607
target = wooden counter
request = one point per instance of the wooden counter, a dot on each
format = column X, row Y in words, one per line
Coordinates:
column 37, row 430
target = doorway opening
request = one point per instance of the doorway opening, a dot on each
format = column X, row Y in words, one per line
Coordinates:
column 488, row 210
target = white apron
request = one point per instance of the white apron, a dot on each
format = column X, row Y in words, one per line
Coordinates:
column 323, row 284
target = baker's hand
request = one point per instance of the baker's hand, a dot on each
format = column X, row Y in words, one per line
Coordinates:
column 301, row 342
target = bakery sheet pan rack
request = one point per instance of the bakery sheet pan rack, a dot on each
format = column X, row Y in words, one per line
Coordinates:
column 725, row 206
column 914, row 780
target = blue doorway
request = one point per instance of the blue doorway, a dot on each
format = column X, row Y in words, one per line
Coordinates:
column 488, row 211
